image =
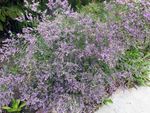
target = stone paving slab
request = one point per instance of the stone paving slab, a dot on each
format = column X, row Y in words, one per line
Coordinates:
column 129, row 101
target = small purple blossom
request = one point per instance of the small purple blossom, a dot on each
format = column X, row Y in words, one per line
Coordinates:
column 147, row 16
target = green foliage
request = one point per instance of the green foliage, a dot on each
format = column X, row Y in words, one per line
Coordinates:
column 77, row 4
column 96, row 10
column 80, row 43
column 116, row 11
column 91, row 64
column 138, row 63
column 16, row 106
column 105, row 67
column 15, row 69
column 9, row 10
column 44, row 53
column 107, row 101
column 42, row 5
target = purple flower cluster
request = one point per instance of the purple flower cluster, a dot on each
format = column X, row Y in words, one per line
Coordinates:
column 136, row 20
column 65, row 64
column 8, row 49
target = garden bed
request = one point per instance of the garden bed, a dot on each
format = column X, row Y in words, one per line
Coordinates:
column 73, row 61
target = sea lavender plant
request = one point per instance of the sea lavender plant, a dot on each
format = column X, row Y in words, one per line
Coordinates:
column 65, row 64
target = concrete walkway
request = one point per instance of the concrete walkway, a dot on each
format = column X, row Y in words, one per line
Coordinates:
column 129, row 101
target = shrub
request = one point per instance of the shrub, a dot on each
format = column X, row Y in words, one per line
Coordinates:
column 67, row 63
column 9, row 10
column 61, row 73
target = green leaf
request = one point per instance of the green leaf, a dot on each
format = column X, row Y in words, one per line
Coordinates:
column 16, row 104
column 9, row 109
column 14, row 110
column 13, row 12
column 16, row 107
column 6, row 108
column 22, row 105
column 107, row 101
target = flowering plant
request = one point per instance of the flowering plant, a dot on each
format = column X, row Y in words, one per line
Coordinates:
column 67, row 63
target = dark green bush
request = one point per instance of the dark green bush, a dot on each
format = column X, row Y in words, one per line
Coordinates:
column 9, row 10
column 79, row 3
